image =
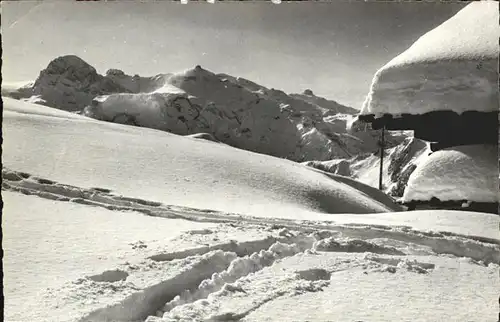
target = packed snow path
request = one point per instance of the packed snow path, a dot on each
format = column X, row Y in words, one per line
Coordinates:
column 238, row 269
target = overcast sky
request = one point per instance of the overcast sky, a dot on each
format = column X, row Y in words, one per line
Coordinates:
column 332, row 48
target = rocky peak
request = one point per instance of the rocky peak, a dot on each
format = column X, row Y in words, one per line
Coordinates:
column 70, row 83
column 66, row 63
column 115, row 72
column 69, row 67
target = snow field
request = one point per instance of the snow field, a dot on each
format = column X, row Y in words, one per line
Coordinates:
column 198, row 275
column 169, row 278
column 48, row 243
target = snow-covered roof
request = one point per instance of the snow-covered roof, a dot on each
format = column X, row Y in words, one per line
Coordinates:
column 467, row 172
column 452, row 67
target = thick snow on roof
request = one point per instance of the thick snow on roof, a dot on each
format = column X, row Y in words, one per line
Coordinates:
column 156, row 165
column 460, row 173
column 472, row 34
column 452, row 67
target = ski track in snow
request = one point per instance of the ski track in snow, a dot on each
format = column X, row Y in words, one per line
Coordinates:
column 192, row 281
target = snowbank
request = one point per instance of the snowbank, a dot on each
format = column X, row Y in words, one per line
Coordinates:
column 459, row 173
column 454, row 67
column 155, row 165
column 409, row 269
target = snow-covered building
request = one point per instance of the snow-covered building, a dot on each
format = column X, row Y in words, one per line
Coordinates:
column 445, row 88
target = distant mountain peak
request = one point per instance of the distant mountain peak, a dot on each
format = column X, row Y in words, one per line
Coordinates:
column 65, row 62
column 70, row 67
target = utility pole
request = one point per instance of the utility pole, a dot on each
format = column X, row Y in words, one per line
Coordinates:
column 381, row 145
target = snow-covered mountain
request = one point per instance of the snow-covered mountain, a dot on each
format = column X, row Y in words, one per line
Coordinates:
column 233, row 110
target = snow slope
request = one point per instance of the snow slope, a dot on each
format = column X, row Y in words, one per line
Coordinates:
column 233, row 110
column 459, row 173
column 104, row 260
column 170, row 168
column 453, row 67
column 106, row 222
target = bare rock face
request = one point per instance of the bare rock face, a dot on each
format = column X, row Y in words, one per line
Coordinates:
column 402, row 156
column 69, row 83
column 115, row 72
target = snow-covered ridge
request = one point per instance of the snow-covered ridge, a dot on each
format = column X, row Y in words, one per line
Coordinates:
column 233, row 110
column 453, row 67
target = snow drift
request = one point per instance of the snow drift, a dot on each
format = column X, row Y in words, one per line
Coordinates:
column 454, row 67
column 468, row 173
column 233, row 110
